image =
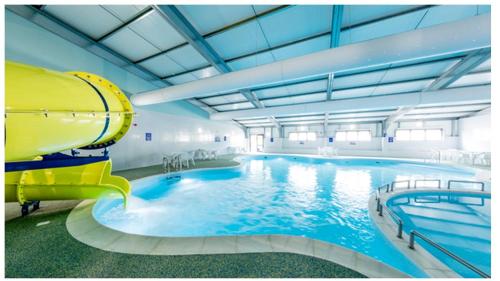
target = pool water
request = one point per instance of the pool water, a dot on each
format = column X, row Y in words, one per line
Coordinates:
column 325, row 199
column 459, row 222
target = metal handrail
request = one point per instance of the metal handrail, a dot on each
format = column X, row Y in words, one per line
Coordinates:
column 463, row 181
column 399, row 221
column 390, row 187
column 413, row 233
column 411, row 245
column 393, row 184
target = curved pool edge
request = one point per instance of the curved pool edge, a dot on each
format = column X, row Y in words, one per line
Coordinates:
column 83, row 227
column 419, row 256
column 479, row 173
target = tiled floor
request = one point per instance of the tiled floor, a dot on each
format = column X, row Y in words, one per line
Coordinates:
column 40, row 247
column 82, row 226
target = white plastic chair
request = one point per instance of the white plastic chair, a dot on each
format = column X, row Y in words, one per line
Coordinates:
column 213, row 154
column 184, row 159
column 484, row 158
column 169, row 160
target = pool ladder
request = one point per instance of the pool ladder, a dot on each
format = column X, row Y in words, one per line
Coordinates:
column 406, row 184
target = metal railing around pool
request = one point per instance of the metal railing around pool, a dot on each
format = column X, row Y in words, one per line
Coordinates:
column 423, row 183
column 465, row 263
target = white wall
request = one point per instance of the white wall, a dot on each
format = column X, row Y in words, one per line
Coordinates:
column 378, row 146
column 170, row 133
column 475, row 132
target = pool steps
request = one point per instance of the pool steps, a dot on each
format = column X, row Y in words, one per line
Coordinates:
column 406, row 243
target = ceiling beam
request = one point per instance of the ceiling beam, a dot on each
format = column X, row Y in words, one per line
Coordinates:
column 329, row 86
column 139, row 16
column 276, row 10
column 202, row 105
column 220, row 30
column 175, row 18
column 251, row 97
column 458, row 36
column 337, row 14
column 461, row 68
column 182, row 25
column 322, row 34
column 62, row 29
column 455, row 96
column 275, row 122
column 241, row 126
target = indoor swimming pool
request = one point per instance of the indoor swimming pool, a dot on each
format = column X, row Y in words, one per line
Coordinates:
column 459, row 222
column 325, row 199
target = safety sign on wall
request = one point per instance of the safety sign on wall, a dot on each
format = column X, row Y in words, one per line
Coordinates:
column 149, row 136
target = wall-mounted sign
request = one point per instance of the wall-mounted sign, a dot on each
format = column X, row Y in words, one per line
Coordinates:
column 330, row 139
column 390, row 139
column 149, row 136
column 272, row 139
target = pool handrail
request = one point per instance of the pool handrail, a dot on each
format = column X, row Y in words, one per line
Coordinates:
column 464, row 181
column 394, row 183
column 465, row 263
column 396, row 218
column 380, row 210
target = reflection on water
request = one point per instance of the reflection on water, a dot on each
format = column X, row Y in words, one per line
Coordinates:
column 320, row 199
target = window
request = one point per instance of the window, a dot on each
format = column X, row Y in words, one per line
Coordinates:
column 364, row 135
column 403, row 135
column 434, row 135
column 419, row 135
column 311, row 136
column 302, row 136
column 352, row 135
column 340, row 136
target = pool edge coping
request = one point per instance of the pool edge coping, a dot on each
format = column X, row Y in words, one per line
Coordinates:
column 427, row 262
column 83, row 227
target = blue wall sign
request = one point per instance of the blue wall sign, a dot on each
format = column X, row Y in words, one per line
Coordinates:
column 272, row 139
column 149, row 136
column 390, row 139
column 330, row 139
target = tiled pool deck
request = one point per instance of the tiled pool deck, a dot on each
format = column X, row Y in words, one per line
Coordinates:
column 83, row 227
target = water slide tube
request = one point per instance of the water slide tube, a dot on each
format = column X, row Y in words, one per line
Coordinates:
column 48, row 112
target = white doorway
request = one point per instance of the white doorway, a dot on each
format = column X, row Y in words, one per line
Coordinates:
column 256, row 143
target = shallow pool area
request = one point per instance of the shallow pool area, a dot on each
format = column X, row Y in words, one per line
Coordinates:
column 459, row 222
column 324, row 199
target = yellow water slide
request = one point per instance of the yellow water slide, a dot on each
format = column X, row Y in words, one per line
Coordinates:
column 48, row 112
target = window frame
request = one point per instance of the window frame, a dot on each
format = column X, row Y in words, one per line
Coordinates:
column 357, row 139
column 303, row 136
column 410, row 138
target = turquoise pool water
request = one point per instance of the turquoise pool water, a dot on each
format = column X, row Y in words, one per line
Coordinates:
column 459, row 222
column 322, row 199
